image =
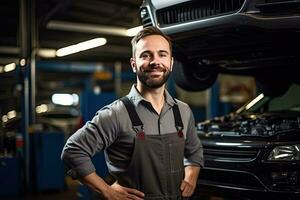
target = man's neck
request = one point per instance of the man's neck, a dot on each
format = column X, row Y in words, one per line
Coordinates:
column 154, row 95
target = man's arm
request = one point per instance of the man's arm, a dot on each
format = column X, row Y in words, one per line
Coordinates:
column 113, row 192
column 94, row 136
column 193, row 159
column 189, row 182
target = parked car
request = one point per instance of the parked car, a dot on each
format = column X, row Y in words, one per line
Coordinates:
column 65, row 119
column 250, row 37
column 254, row 151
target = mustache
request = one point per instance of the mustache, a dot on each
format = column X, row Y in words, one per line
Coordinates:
column 152, row 68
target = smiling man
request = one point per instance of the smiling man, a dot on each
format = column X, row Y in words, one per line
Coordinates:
column 153, row 63
column 149, row 138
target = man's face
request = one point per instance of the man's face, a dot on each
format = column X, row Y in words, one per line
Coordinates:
column 152, row 62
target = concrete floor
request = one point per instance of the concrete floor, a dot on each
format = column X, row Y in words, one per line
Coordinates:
column 69, row 193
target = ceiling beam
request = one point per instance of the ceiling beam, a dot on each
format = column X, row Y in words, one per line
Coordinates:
column 87, row 28
column 9, row 50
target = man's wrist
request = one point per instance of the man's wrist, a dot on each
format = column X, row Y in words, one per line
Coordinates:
column 191, row 174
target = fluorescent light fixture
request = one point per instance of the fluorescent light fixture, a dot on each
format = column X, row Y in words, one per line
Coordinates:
column 47, row 53
column 92, row 28
column 65, row 99
column 11, row 114
column 254, row 101
column 9, row 67
column 75, row 99
column 86, row 28
column 41, row 108
column 4, row 118
column 81, row 47
column 133, row 31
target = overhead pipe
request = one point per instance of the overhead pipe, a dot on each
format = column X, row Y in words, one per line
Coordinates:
column 86, row 28
column 93, row 28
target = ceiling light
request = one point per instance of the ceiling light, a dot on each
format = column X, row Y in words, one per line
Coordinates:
column 46, row 53
column 9, row 67
column 65, row 99
column 23, row 62
column 86, row 28
column 4, row 118
column 92, row 28
column 41, row 108
column 133, row 31
column 11, row 114
column 81, row 47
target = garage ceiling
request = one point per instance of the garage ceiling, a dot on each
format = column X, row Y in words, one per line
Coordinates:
column 62, row 23
column 67, row 22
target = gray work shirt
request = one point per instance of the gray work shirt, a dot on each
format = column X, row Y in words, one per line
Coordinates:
column 111, row 130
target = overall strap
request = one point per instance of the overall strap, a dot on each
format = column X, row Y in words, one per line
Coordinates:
column 136, row 121
column 177, row 116
column 134, row 117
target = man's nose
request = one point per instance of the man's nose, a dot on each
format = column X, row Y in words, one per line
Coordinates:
column 154, row 61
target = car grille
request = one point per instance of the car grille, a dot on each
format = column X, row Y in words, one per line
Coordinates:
column 230, row 154
column 194, row 10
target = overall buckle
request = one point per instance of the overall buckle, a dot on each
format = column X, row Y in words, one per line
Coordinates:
column 179, row 131
column 140, row 133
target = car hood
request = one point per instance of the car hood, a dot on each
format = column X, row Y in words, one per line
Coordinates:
column 251, row 124
column 162, row 4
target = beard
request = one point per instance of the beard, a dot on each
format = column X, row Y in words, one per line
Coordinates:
column 153, row 82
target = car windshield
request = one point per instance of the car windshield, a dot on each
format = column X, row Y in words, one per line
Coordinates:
column 289, row 102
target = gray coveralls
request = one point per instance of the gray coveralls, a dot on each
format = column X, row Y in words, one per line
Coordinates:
column 156, row 166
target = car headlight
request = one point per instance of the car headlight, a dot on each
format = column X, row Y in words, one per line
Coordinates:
column 143, row 13
column 285, row 153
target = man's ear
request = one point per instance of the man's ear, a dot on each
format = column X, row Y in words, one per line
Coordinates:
column 172, row 62
column 133, row 64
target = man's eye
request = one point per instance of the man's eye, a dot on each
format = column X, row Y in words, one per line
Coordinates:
column 163, row 55
column 145, row 55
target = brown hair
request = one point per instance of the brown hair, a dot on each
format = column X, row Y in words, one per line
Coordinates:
column 150, row 30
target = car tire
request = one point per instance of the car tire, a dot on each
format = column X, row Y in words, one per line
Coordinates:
column 193, row 78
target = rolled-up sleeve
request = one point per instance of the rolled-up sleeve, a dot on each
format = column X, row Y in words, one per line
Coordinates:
column 94, row 136
column 193, row 147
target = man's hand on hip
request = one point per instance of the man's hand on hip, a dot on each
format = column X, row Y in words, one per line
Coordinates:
column 189, row 183
column 118, row 192
column 187, row 188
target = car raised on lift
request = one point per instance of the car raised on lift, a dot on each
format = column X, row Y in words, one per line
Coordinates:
column 252, row 153
column 223, row 36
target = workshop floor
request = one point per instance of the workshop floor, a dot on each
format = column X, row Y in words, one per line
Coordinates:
column 69, row 193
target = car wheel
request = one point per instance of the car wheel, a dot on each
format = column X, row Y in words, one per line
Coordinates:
column 193, row 78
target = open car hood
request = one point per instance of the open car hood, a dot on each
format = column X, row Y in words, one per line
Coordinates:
column 251, row 124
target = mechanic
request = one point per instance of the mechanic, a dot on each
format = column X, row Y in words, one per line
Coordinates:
column 148, row 137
